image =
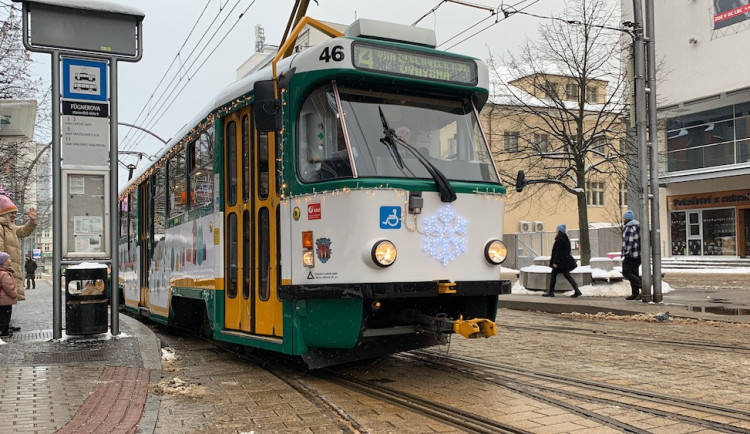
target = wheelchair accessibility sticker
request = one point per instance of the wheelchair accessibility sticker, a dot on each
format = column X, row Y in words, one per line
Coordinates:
column 390, row 217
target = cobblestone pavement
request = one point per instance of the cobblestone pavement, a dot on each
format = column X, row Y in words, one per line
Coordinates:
column 223, row 393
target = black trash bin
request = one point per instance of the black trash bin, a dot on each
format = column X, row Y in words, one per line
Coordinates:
column 86, row 299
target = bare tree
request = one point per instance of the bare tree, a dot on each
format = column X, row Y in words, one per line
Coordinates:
column 566, row 94
column 19, row 159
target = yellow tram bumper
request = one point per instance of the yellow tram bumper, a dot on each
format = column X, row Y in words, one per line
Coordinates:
column 474, row 328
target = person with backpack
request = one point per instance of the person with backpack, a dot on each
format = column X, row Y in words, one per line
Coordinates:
column 8, row 294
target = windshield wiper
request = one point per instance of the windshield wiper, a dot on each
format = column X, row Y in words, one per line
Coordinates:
column 447, row 193
column 389, row 140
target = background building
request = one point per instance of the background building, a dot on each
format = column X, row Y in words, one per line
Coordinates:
column 510, row 131
column 703, row 91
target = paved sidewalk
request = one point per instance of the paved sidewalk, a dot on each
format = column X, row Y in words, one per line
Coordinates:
column 699, row 300
column 95, row 383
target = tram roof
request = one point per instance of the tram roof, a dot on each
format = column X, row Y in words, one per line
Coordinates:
column 238, row 89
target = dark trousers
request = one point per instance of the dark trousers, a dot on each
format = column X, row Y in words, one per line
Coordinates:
column 5, row 312
column 630, row 272
column 30, row 282
column 566, row 274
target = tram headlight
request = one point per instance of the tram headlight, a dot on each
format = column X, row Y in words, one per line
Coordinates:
column 495, row 252
column 308, row 258
column 383, row 253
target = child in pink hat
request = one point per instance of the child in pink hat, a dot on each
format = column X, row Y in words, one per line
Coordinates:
column 8, row 294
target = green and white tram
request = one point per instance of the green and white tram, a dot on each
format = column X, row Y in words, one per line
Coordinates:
column 339, row 204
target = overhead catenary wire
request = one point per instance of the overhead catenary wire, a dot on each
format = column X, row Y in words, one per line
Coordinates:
column 163, row 97
column 169, row 95
column 195, row 25
column 506, row 13
column 173, row 100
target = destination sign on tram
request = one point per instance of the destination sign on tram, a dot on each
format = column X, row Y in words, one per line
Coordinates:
column 429, row 66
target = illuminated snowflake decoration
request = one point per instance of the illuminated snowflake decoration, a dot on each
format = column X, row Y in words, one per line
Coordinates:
column 444, row 235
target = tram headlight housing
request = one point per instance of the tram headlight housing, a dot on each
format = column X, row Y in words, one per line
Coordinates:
column 308, row 258
column 308, row 255
column 384, row 253
column 495, row 252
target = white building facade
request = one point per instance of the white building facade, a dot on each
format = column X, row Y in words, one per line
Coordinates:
column 703, row 93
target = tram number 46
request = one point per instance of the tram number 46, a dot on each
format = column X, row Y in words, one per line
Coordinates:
column 336, row 54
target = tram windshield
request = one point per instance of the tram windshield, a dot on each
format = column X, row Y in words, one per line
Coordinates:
column 445, row 132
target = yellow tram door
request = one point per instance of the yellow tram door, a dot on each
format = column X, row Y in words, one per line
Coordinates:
column 267, row 306
column 251, row 215
column 238, row 210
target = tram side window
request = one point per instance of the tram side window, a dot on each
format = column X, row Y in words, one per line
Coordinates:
column 133, row 215
column 159, row 208
column 178, row 195
column 246, row 131
column 322, row 153
column 201, row 169
column 230, row 139
column 263, row 187
column 124, row 218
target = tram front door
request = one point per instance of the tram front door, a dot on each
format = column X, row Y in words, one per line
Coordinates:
column 251, row 304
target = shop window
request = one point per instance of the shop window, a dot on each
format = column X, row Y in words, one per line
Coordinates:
column 679, row 236
column 719, row 232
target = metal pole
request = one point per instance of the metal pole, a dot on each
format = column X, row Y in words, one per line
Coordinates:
column 114, row 209
column 640, row 129
column 654, row 146
column 56, row 200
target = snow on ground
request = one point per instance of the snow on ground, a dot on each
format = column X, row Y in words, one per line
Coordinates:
column 605, row 283
column 610, row 283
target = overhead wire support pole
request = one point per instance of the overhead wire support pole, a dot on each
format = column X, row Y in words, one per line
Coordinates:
column 640, row 131
column 114, row 222
column 654, row 146
column 56, row 200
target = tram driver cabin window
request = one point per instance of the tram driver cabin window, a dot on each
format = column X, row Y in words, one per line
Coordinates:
column 322, row 153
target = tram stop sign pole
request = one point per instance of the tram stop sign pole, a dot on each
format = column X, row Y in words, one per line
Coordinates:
column 86, row 40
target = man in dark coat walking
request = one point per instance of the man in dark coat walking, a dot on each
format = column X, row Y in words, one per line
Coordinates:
column 30, row 267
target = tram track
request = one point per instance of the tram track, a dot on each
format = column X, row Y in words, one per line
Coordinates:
column 291, row 372
column 448, row 414
column 585, row 399
column 619, row 336
column 552, row 388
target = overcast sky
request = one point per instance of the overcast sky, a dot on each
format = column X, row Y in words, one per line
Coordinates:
column 169, row 22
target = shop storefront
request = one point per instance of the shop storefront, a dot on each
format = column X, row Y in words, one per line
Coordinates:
column 710, row 224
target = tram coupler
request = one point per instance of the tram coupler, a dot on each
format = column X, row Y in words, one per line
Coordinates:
column 471, row 328
column 474, row 328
